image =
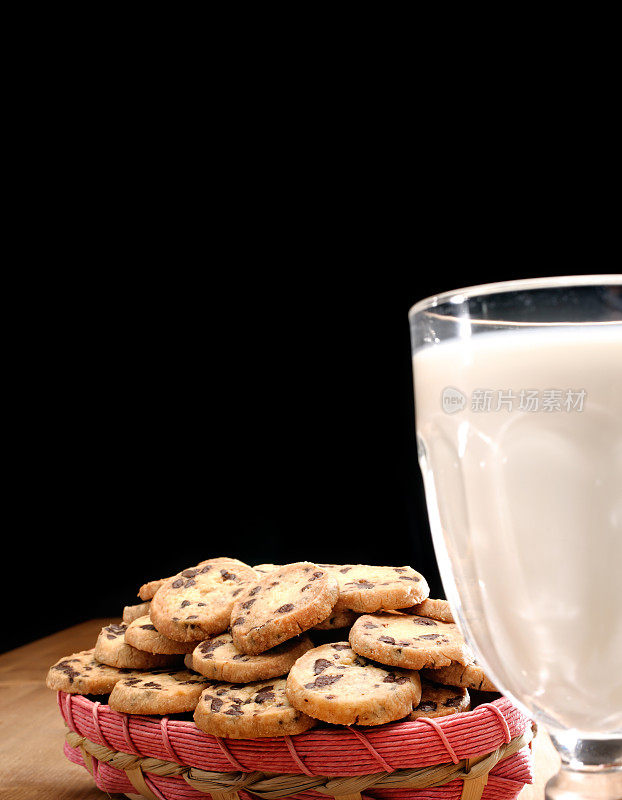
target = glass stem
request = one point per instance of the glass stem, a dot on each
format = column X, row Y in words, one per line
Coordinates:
column 591, row 768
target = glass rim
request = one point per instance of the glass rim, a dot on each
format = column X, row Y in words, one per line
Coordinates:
column 483, row 289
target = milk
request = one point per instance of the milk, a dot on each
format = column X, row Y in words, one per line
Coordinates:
column 527, row 507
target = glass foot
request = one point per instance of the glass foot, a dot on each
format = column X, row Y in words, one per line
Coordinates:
column 591, row 768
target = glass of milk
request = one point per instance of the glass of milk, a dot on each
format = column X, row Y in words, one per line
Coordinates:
column 518, row 397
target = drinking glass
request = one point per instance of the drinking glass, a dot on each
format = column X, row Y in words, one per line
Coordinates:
column 518, row 398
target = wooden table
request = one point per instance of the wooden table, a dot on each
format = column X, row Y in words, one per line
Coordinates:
column 32, row 765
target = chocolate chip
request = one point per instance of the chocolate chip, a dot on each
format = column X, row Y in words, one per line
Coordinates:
column 148, row 627
column 427, row 705
column 117, row 629
column 365, row 584
column 248, row 603
column 393, row 678
column 237, row 621
column 216, row 704
column 152, row 685
column 205, row 569
column 190, row 573
column 344, row 570
column 284, row 609
column 254, row 591
column 369, row 625
column 178, row 583
column 339, row 646
column 424, row 621
column 228, row 576
column 208, row 646
column 386, row 639
column 234, row 711
column 323, row 680
column 185, row 603
column 320, row 665
column 69, row 671
column 429, row 636
column 267, row 693
column 452, row 702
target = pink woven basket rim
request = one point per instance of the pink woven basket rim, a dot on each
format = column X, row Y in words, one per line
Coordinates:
column 337, row 751
column 505, row 782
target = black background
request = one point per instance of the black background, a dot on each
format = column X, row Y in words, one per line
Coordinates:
column 259, row 413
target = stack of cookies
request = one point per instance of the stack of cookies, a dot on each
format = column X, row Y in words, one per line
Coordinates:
column 274, row 650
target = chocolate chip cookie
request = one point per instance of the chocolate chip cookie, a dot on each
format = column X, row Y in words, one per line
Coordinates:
column 281, row 605
column 219, row 659
column 410, row 642
column 157, row 692
column 197, row 602
column 335, row 684
column 112, row 649
column 143, row 635
column 470, row 675
column 81, row 673
column 440, row 701
column 248, row 712
column 433, row 609
column 366, row 589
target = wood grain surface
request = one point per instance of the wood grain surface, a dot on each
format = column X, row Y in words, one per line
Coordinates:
column 32, row 764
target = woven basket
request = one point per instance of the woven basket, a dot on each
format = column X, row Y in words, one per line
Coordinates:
column 485, row 753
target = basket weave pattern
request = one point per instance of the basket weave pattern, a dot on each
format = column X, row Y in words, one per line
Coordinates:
column 488, row 743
